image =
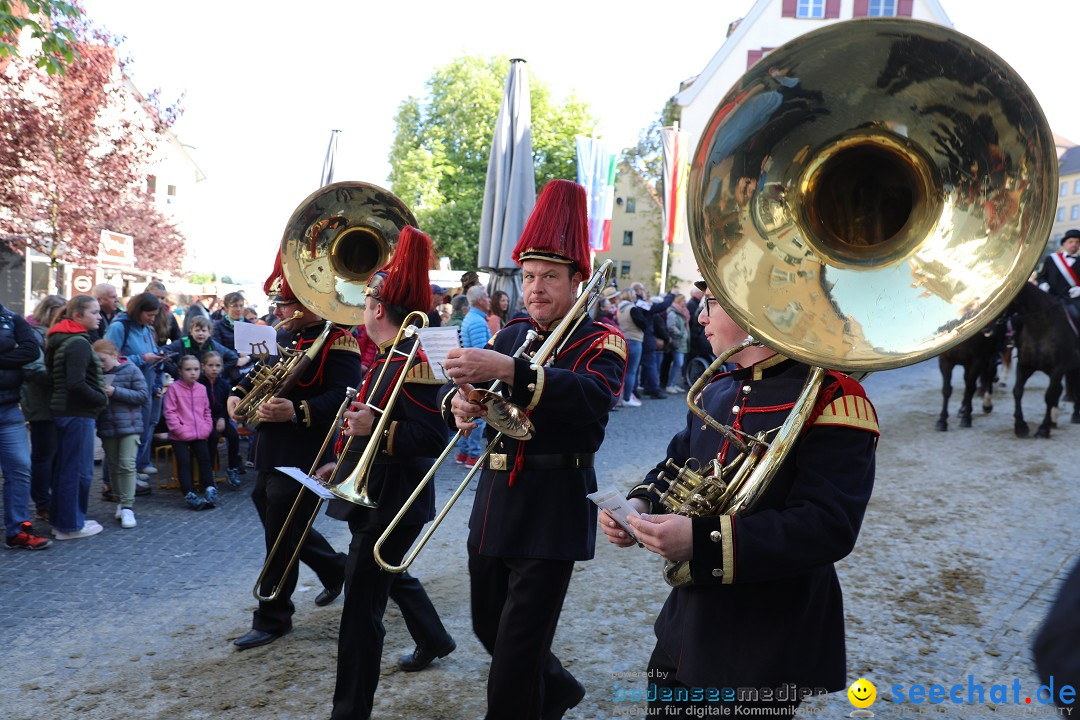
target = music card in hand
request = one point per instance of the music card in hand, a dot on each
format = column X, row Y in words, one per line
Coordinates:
column 617, row 506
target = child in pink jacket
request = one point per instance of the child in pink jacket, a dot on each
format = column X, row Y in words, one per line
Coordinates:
column 187, row 413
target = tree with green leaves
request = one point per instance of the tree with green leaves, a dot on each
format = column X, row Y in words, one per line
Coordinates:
column 647, row 157
column 440, row 153
column 49, row 24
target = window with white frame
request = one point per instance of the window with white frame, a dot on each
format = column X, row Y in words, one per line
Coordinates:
column 881, row 8
column 1074, row 212
column 1076, row 188
column 810, row 9
column 1061, row 214
column 1063, row 190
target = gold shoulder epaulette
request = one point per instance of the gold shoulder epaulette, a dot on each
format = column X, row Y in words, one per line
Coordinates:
column 851, row 411
column 615, row 343
column 421, row 373
column 347, row 342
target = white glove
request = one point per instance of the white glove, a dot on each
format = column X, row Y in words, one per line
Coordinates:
column 1045, row 287
column 1074, row 291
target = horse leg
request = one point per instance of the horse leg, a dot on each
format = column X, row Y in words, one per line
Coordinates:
column 1053, row 395
column 970, row 378
column 989, row 375
column 1020, row 428
column 1072, row 382
column 946, row 391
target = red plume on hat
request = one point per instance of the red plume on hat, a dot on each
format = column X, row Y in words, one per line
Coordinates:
column 276, row 286
column 558, row 229
column 406, row 283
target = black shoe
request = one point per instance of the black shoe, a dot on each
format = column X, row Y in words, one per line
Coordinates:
column 255, row 638
column 656, row 395
column 420, row 658
column 328, row 595
column 556, row 707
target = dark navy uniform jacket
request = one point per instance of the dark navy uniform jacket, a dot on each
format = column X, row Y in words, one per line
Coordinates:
column 765, row 606
column 1051, row 274
column 413, row 438
column 317, row 396
column 522, row 512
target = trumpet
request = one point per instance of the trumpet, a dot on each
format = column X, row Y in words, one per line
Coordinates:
column 504, row 417
column 354, row 487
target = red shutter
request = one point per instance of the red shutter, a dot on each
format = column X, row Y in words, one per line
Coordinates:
column 903, row 8
column 832, row 8
column 789, row 8
column 861, row 8
column 752, row 56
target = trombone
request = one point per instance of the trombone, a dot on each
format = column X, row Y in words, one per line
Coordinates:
column 504, row 416
column 353, row 488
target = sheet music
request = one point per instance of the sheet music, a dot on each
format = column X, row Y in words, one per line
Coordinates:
column 437, row 343
column 309, row 482
column 255, row 340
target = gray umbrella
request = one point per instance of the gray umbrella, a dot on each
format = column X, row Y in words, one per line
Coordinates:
column 510, row 188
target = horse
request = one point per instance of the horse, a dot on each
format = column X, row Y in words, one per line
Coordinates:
column 978, row 355
column 1047, row 343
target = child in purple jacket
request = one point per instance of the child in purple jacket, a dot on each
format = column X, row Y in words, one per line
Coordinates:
column 187, row 413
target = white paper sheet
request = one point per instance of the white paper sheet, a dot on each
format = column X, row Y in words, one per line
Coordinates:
column 437, row 343
column 309, row 482
column 255, row 339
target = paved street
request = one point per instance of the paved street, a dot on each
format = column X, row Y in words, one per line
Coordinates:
column 964, row 544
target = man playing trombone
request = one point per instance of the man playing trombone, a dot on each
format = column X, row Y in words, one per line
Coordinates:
column 411, row 435
column 530, row 519
column 290, row 431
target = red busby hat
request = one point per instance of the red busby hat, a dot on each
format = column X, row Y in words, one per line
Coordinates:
column 558, row 229
column 276, row 286
column 406, row 282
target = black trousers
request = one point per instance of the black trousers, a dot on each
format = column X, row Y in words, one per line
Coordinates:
column 185, row 452
column 361, row 634
column 662, row 676
column 273, row 496
column 516, row 604
column 232, row 444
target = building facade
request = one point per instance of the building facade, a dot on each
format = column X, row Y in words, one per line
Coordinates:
column 1068, row 191
column 636, row 223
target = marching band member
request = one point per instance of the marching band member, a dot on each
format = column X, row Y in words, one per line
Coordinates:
column 1059, row 274
column 408, row 446
column 290, row 432
column 530, row 519
column 764, row 609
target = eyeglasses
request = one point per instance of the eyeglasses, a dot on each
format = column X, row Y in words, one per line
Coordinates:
column 709, row 302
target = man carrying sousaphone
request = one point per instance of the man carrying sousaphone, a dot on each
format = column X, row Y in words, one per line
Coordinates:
column 290, row 432
column 530, row 519
column 410, row 439
column 762, row 614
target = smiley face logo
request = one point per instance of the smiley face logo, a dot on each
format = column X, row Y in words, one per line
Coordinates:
column 862, row 693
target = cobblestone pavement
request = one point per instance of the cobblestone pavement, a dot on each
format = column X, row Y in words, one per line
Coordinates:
column 966, row 539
